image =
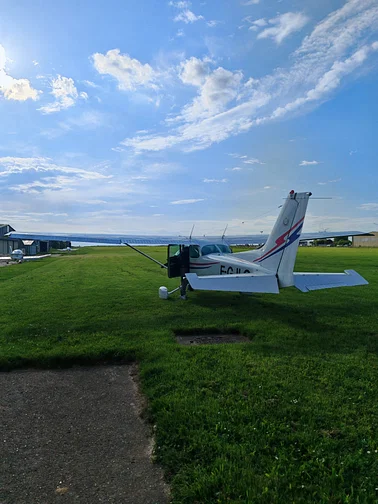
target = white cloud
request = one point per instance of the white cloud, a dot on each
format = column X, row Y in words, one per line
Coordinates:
column 328, row 82
column 35, row 63
column 238, row 156
column 251, row 2
column 213, row 23
column 88, row 120
column 129, row 72
column 340, row 29
column 329, row 181
column 368, row 206
column 187, row 16
column 180, row 4
column 337, row 47
column 235, row 168
column 215, row 181
column 283, row 26
column 18, row 165
column 65, row 93
column 217, row 89
column 14, row 89
column 256, row 24
column 194, row 71
column 186, row 201
column 308, row 163
column 253, row 161
column 90, row 84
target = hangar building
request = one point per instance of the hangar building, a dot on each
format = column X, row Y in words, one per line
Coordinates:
column 366, row 241
column 4, row 242
column 29, row 247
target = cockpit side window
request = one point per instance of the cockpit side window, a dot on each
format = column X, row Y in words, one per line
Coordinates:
column 194, row 251
column 225, row 249
column 210, row 249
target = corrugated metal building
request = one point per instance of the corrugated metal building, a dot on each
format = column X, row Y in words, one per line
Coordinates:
column 366, row 241
column 5, row 244
column 29, row 247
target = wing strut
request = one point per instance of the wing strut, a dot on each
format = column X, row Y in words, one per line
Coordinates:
column 146, row 255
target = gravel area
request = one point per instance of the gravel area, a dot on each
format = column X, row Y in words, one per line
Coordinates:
column 75, row 435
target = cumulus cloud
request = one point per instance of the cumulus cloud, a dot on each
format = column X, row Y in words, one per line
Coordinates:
column 194, row 71
column 65, row 94
column 215, row 181
column 216, row 90
column 129, row 72
column 282, row 26
column 14, row 89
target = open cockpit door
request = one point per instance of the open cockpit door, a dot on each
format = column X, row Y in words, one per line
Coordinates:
column 178, row 260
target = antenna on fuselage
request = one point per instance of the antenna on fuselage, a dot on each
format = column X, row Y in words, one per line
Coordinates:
column 191, row 232
column 224, row 232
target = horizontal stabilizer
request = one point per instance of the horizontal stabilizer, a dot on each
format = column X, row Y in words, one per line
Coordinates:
column 314, row 281
column 234, row 283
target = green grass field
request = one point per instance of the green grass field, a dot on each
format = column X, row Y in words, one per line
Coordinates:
column 291, row 417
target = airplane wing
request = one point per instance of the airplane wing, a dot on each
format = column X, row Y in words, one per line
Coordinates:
column 261, row 238
column 314, row 281
column 246, row 282
column 25, row 258
column 35, row 258
column 112, row 239
column 119, row 239
column 331, row 234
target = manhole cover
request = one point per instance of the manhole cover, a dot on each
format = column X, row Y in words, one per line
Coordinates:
column 210, row 339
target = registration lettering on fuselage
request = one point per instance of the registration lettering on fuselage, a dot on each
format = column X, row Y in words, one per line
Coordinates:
column 229, row 270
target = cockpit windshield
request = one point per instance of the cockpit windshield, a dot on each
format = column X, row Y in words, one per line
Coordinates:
column 219, row 248
column 225, row 249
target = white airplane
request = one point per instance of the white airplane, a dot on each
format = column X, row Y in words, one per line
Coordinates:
column 19, row 256
column 67, row 249
column 210, row 264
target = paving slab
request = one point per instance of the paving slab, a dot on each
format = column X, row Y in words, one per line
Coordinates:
column 76, row 436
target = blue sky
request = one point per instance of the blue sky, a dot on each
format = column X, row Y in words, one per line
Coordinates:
column 148, row 117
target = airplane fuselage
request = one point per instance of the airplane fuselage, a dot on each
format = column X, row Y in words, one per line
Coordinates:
column 223, row 264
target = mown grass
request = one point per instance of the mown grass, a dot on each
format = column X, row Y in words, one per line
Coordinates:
column 290, row 417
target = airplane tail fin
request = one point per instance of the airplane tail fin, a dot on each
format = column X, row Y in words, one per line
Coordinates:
column 280, row 250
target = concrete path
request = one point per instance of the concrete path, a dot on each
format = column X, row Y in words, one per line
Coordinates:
column 75, row 436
